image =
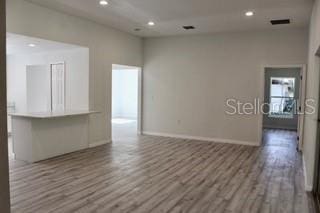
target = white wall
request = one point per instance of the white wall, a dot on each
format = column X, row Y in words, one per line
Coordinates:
column 107, row 46
column 77, row 76
column 187, row 80
column 125, row 93
column 38, row 88
column 310, row 128
column 16, row 83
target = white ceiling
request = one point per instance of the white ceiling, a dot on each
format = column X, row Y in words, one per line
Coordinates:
column 208, row 16
column 19, row 44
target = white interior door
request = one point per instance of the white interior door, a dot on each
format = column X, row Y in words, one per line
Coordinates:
column 57, row 87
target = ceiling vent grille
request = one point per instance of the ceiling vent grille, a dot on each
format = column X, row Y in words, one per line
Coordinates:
column 280, row 21
column 189, row 27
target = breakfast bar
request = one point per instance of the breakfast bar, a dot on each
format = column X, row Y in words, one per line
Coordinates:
column 40, row 136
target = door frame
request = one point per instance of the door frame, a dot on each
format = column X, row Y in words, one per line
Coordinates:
column 140, row 88
column 302, row 97
column 315, row 185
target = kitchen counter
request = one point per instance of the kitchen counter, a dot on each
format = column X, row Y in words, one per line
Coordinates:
column 40, row 136
column 52, row 114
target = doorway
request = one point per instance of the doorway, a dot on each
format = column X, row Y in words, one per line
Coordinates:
column 125, row 101
column 283, row 101
column 43, row 76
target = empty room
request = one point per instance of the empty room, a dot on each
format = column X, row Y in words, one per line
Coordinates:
column 146, row 106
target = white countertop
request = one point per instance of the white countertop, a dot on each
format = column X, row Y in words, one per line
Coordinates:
column 52, row 114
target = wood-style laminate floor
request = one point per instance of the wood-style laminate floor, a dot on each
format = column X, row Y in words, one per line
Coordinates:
column 158, row 174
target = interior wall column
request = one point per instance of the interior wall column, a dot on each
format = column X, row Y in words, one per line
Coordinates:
column 4, row 168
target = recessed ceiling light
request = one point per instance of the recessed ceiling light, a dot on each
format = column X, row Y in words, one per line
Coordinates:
column 151, row 23
column 31, row 45
column 103, row 2
column 249, row 13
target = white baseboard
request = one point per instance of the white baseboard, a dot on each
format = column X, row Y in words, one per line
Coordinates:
column 216, row 140
column 99, row 143
column 307, row 186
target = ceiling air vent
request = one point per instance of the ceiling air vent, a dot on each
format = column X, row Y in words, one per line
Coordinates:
column 280, row 21
column 189, row 27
